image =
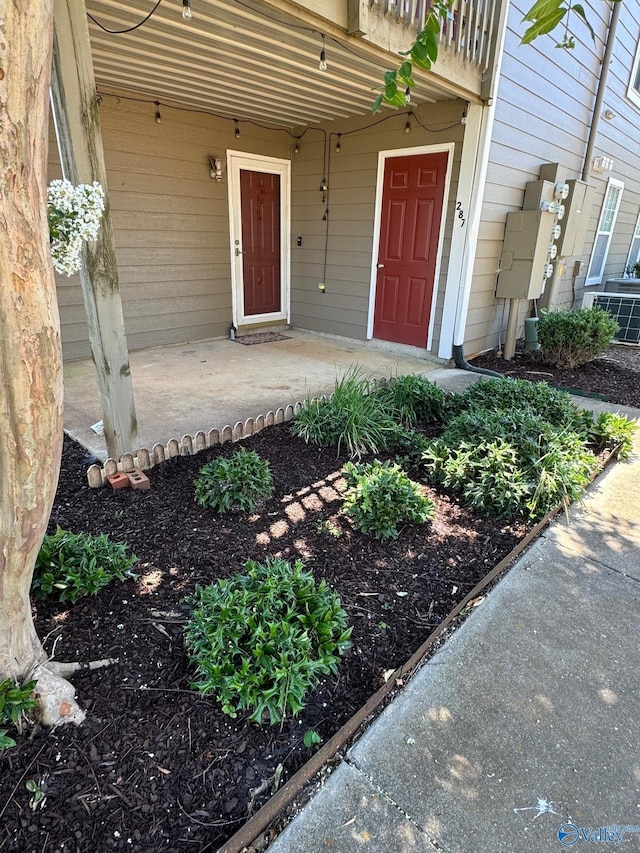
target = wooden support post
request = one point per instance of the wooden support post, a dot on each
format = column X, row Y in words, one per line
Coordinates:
column 76, row 113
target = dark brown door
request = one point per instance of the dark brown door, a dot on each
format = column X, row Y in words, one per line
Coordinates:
column 260, row 208
column 412, row 199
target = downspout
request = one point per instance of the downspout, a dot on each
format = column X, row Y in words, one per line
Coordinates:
column 600, row 93
column 457, row 353
column 483, row 149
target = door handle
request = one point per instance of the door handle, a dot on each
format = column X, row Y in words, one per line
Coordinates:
column 238, row 251
column 380, row 266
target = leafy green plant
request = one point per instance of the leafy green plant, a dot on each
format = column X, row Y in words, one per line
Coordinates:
column 380, row 496
column 259, row 641
column 413, row 399
column 613, row 430
column 311, row 737
column 539, row 400
column 572, row 338
column 16, row 701
column 355, row 418
column 485, row 473
column 75, row 564
column 513, row 448
column 242, row 481
column 5, row 741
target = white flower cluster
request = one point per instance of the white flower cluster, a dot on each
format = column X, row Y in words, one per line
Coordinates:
column 74, row 216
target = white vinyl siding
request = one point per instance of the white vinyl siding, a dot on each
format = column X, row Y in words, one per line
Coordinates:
column 607, row 222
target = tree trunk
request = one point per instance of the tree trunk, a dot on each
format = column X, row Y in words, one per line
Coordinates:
column 30, row 351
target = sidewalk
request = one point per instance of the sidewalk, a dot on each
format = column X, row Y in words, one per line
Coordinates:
column 528, row 717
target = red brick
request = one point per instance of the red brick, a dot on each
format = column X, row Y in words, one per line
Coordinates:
column 138, row 480
column 118, row 480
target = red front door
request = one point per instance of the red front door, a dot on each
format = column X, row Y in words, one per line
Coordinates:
column 412, row 200
column 260, row 209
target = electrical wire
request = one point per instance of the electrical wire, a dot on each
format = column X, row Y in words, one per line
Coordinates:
column 129, row 29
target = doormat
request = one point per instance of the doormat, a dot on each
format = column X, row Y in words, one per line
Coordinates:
column 261, row 338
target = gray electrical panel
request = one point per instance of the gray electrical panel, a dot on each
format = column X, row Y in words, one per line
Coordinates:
column 578, row 206
column 525, row 254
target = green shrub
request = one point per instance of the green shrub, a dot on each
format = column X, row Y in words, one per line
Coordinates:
column 243, row 481
column 355, row 417
column 16, row 701
column 572, row 338
column 380, row 496
column 539, row 399
column 260, row 641
column 77, row 564
column 613, row 430
column 513, row 448
column 485, row 473
column 413, row 399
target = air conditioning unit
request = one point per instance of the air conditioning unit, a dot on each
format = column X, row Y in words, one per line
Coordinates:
column 625, row 308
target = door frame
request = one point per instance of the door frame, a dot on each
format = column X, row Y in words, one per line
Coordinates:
column 448, row 147
column 237, row 160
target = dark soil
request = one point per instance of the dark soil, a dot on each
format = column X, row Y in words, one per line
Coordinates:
column 157, row 767
column 614, row 375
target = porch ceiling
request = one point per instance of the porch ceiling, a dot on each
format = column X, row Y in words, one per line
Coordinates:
column 239, row 58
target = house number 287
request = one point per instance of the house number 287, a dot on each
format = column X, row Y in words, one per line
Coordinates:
column 460, row 214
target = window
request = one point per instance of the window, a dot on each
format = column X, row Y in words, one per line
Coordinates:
column 633, row 92
column 604, row 233
column 634, row 251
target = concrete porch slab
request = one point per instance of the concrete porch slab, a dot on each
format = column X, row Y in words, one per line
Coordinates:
column 203, row 385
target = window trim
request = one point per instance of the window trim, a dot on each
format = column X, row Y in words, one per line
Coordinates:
column 635, row 238
column 632, row 92
column 597, row 279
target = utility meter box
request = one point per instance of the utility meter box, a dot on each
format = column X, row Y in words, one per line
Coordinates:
column 578, row 206
column 525, row 254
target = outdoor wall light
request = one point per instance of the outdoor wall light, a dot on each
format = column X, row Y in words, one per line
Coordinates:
column 215, row 170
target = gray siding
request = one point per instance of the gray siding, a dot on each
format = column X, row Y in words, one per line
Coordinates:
column 543, row 113
column 171, row 223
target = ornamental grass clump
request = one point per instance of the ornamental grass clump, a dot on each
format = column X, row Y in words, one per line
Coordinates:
column 380, row 496
column 70, row 565
column 572, row 338
column 243, row 481
column 260, row 641
column 355, row 418
column 614, row 431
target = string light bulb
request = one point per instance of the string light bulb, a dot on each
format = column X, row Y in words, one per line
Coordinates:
column 407, row 96
column 324, row 186
column 322, row 65
column 338, row 145
column 296, row 150
column 237, row 128
column 158, row 113
column 407, row 127
column 465, row 113
column 186, row 10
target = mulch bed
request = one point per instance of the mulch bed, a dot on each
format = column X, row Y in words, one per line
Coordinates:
column 614, row 375
column 156, row 767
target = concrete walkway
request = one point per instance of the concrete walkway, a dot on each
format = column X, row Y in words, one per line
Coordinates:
column 525, row 721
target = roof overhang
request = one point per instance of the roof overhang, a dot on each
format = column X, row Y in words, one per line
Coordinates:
column 242, row 58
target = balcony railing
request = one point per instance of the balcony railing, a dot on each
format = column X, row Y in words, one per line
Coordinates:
column 468, row 32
